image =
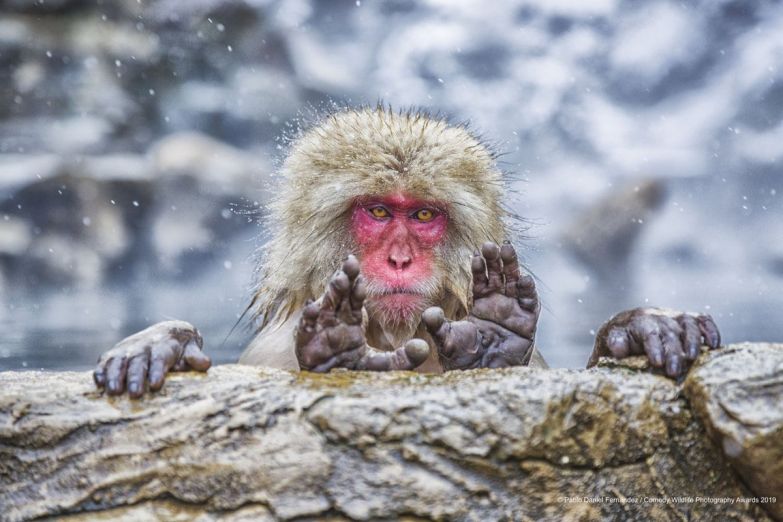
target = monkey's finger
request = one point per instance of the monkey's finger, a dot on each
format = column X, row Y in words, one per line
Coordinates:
column 306, row 328
column 653, row 347
column 510, row 267
column 647, row 334
column 526, row 293
column 358, row 293
column 137, row 374
column 709, row 330
column 351, row 310
column 351, row 267
column 491, row 253
column 310, row 312
column 618, row 343
column 407, row 357
column 99, row 374
column 691, row 336
column 675, row 356
column 479, row 269
column 116, row 370
column 335, row 292
column 195, row 357
column 163, row 357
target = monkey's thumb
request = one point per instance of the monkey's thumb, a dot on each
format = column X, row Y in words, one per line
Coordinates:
column 417, row 351
column 195, row 358
column 433, row 318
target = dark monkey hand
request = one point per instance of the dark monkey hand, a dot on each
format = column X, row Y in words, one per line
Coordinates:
column 671, row 340
column 501, row 326
column 146, row 357
column 330, row 332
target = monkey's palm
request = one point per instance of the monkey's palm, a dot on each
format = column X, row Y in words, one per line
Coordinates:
column 500, row 329
column 330, row 333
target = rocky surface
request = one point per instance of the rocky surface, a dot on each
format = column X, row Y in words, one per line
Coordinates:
column 245, row 443
column 738, row 394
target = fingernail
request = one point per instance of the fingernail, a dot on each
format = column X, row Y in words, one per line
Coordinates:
column 134, row 388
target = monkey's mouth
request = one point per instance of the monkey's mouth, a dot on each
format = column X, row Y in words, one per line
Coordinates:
column 404, row 299
column 399, row 303
column 397, row 306
column 398, row 291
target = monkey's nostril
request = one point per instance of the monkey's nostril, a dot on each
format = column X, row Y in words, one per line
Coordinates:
column 399, row 262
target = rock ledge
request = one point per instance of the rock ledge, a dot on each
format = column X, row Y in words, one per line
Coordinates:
column 257, row 444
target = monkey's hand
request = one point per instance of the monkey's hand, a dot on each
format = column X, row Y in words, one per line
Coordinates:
column 147, row 356
column 501, row 327
column 670, row 339
column 330, row 333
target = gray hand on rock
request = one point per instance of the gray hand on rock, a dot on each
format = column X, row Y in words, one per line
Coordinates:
column 671, row 340
column 147, row 356
column 330, row 333
column 500, row 328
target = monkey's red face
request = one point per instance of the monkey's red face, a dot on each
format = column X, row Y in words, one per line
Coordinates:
column 397, row 236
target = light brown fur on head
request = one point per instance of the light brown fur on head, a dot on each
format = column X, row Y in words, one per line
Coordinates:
column 375, row 151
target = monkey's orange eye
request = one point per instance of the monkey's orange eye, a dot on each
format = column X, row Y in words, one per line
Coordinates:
column 379, row 212
column 425, row 214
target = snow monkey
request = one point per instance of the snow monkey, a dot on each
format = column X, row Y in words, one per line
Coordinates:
column 407, row 209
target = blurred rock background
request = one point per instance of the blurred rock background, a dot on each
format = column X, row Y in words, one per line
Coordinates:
column 139, row 139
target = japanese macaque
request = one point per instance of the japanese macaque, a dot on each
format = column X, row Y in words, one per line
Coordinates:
column 407, row 209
